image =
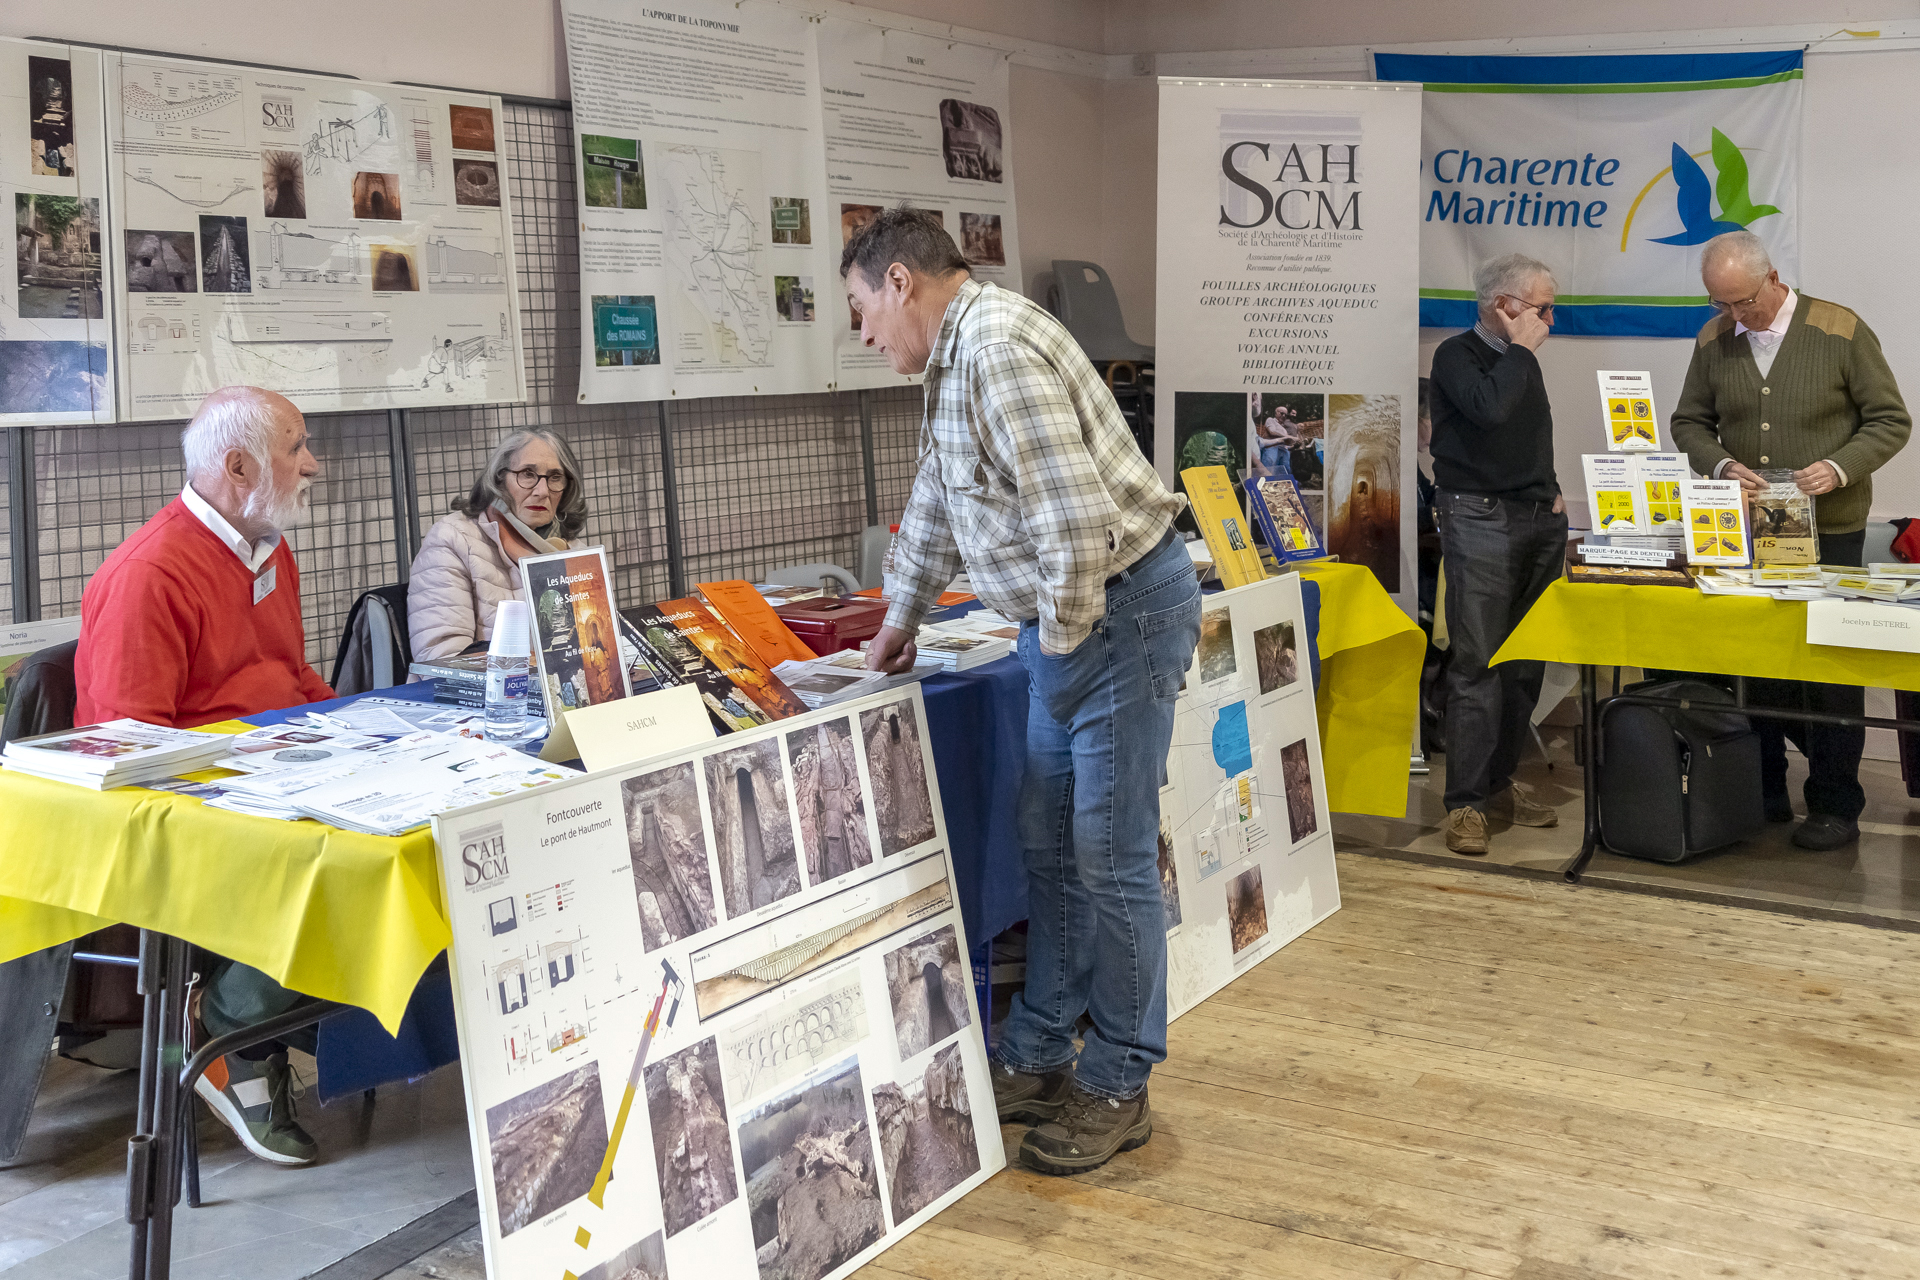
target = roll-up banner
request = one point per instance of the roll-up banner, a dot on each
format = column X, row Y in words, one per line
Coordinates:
column 1613, row 170
column 1288, row 311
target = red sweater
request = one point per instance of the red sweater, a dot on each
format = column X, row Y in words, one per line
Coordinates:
column 169, row 632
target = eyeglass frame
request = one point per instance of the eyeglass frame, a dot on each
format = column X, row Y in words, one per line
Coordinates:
column 524, row 485
column 1544, row 308
column 1728, row 308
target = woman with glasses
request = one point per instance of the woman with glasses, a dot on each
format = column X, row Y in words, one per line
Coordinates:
column 528, row 500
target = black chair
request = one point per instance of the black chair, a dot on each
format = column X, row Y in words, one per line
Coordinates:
column 375, row 649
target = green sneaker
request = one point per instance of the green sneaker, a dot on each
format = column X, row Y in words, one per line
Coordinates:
column 1089, row 1131
column 255, row 1100
column 1022, row 1098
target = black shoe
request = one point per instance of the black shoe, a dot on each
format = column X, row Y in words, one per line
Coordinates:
column 1023, row 1098
column 1090, row 1131
column 1822, row 832
column 1779, row 809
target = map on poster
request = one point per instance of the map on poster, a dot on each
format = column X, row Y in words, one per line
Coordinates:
column 695, row 1042
column 701, row 182
column 924, row 122
column 346, row 244
column 56, row 360
column 1246, row 845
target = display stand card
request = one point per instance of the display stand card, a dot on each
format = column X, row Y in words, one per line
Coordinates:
column 1716, row 516
column 641, row 727
column 1612, row 495
column 1626, row 406
column 716, row 1010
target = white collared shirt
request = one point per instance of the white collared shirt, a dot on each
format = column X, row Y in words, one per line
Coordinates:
column 1766, row 342
column 252, row 555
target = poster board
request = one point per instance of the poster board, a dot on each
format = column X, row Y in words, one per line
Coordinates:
column 56, row 357
column 346, row 243
column 1288, row 274
column 817, row 1086
column 910, row 119
column 1246, row 841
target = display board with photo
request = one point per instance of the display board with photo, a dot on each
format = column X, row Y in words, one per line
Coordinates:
column 778, row 906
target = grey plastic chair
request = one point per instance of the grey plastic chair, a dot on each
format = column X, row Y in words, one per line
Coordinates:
column 874, row 541
column 1091, row 311
column 814, row 575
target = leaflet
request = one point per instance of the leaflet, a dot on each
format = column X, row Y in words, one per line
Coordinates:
column 1626, row 406
column 1716, row 514
column 1612, row 494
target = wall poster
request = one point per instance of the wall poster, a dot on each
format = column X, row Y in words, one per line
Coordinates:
column 923, row 122
column 704, row 267
column 1246, row 844
column 691, row 1044
column 345, row 243
column 1288, row 308
column 56, row 360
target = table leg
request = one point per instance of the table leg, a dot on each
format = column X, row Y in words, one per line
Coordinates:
column 165, row 1174
column 139, row 1155
column 1589, row 774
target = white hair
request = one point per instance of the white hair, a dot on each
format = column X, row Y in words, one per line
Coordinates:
column 1741, row 249
column 1507, row 274
column 231, row 418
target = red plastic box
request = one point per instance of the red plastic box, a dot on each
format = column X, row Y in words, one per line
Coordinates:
column 828, row 624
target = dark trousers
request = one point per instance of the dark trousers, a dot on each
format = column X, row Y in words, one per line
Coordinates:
column 238, row 995
column 1833, row 753
column 1498, row 556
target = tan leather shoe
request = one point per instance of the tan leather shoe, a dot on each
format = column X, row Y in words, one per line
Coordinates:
column 1515, row 806
column 1467, row 830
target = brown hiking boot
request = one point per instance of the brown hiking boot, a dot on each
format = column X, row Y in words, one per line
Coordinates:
column 1090, row 1131
column 1023, row 1098
column 1466, row 830
column 1522, row 810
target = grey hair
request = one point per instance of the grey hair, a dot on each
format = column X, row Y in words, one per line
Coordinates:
column 570, row 513
column 231, row 418
column 1742, row 249
column 1507, row 274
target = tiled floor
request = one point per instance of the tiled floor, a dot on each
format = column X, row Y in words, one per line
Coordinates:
column 1878, row 878
column 62, row 1203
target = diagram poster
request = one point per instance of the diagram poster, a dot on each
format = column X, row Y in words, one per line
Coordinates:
column 705, row 269
column 923, row 122
column 56, row 360
column 347, row 244
column 1288, row 307
column 697, row 1042
column 1246, row 846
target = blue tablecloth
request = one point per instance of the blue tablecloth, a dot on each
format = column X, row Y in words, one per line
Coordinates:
column 977, row 723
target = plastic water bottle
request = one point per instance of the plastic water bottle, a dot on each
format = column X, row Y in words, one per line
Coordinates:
column 507, row 669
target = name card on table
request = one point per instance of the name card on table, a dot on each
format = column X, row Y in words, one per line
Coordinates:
column 640, row 727
column 1861, row 624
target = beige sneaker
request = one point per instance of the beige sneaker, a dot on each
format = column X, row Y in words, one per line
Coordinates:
column 1467, row 830
column 1515, row 806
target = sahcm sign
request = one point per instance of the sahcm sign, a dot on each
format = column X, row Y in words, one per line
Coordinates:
column 1612, row 170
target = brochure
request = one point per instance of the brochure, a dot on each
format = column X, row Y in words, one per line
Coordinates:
column 1658, row 478
column 1612, row 495
column 1716, row 515
column 1626, row 405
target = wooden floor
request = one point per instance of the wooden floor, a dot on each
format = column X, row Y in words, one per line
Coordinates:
column 1459, row 1075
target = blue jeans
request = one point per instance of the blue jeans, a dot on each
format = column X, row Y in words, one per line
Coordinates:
column 1099, row 724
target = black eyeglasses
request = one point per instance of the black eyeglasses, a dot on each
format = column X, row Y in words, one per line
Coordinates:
column 527, row 477
column 1544, row 308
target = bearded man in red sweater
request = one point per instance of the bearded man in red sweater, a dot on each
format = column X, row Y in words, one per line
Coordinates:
column 196, row 619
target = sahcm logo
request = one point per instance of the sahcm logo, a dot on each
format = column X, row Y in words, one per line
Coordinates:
column 1693, row 197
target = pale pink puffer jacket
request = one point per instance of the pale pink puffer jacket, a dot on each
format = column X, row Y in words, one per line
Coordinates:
column 459, row 579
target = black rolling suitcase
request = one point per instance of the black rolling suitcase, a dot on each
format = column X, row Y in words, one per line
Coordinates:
column 1675, row 782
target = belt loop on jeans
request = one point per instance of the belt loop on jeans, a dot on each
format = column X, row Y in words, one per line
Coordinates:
column 1166, row 539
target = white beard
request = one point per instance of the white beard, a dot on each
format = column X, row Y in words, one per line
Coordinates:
column 279, row 511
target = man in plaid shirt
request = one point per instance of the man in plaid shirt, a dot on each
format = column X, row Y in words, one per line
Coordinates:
column 1030, row 481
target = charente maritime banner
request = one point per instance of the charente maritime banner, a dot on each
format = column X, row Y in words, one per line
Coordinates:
column 1287, row 312
column 1613, row 170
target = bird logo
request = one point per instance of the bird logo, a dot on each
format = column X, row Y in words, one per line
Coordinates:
column 1737, row 209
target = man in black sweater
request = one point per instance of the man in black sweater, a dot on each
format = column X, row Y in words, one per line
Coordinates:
column 1503, row 537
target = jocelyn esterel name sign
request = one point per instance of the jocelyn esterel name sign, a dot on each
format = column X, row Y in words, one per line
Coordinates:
column 1860, row 624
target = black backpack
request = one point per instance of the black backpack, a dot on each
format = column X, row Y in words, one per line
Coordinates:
column 1677, row 781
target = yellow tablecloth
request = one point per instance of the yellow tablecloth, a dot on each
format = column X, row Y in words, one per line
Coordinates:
column 322, row 911
column 1677, row 629
column 1369, row 695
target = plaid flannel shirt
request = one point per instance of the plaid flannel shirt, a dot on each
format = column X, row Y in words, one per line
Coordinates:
column 1027, row 475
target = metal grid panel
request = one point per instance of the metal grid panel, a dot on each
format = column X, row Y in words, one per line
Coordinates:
column 896, row 446
column 767, row 481
column 347, row 542
column 538, row 151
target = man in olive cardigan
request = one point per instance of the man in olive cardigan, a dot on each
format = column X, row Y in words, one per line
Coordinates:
column 1782, row 380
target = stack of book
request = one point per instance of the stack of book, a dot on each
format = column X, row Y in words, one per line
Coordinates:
column 461, row 681
column 119, row 753
column 957, row 649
